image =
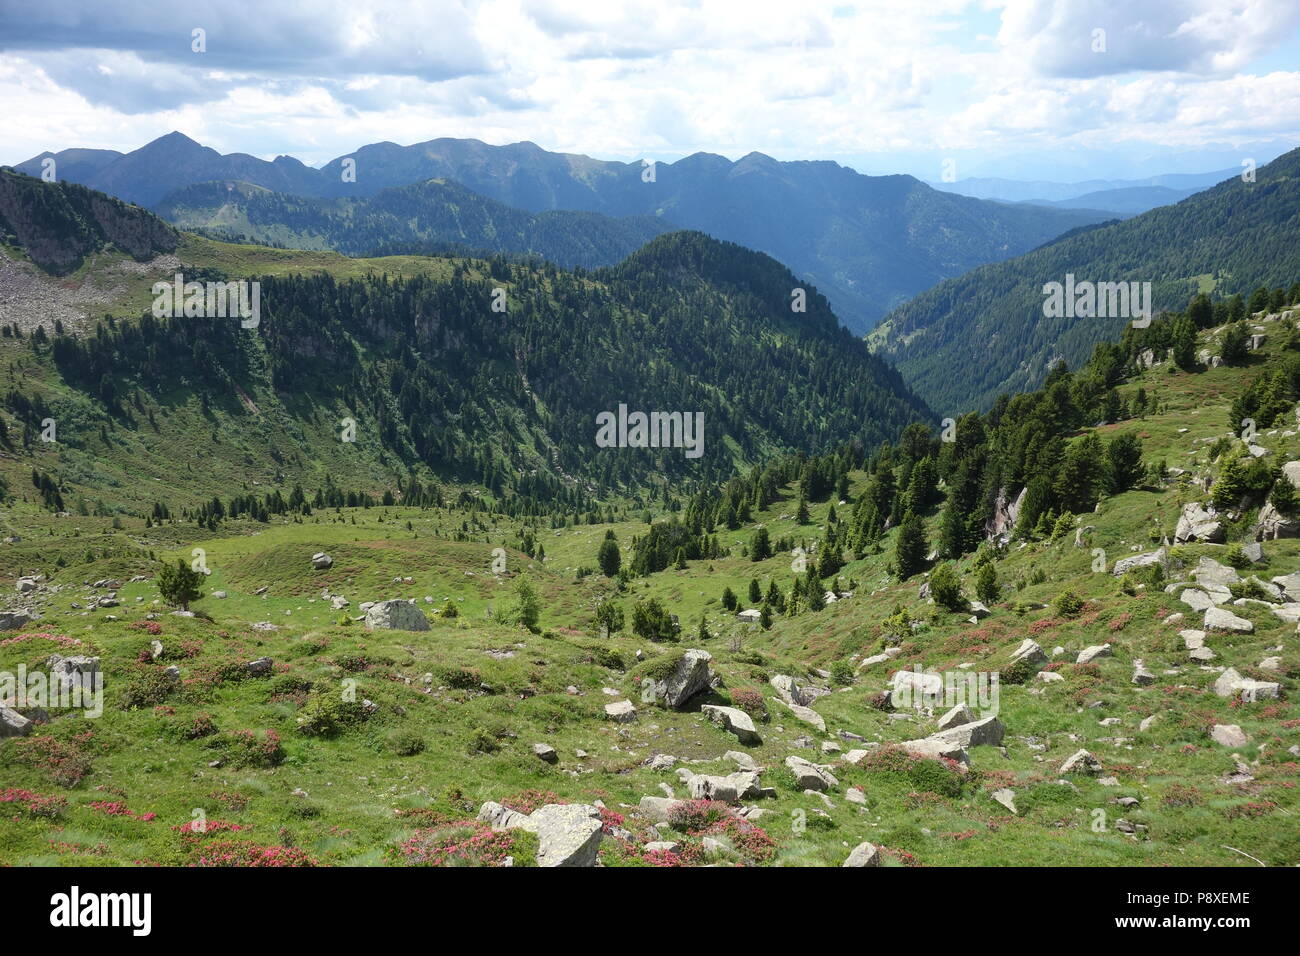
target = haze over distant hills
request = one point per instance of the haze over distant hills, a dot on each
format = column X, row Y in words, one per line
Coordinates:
column 868, row 242
column 1017, row 190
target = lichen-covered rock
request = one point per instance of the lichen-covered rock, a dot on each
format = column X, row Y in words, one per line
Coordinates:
column 1081, row 762
column 621, row 711
column 1199, row 524
column 809, row 776
column 690, row 676
column 396, row 616
column 864, row 854
column 13, row 724
column 734, row 720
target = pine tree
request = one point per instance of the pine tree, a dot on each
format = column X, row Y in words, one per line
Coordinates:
column 910, row 548
column 986, row 583
column 179, row 585
column 952, row 531
column 609, row 557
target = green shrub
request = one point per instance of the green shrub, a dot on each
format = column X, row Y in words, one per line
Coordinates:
column 842, row 673
column 289, row 684
column 244, row 748
column 945, row 587
column 481, row 742
column 146, row 687
column 325, row 715
column 1068, row 604
column 458, row 678
column 406, row 743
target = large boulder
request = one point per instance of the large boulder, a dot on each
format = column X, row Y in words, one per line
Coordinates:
column 1221, row 619
column 731, row 788
column 13, row 724
column 17, row 620
column 690, row 676
column 1030, row 653
column 1081, row 762
column 1196, row 599
column 1090, row 654
column 1199, row 524
column 959, row 715
column 806, row 714
column 938, row 746
column 791, row 691
column 1125, row 565
column 981, row 733
column 1231, row 684
column 1229, row 735
column 320, row 561
column 1291, row 470
column 864, row 854
column 621, row 711
column 912, row 689
column 68, row 673
column 1005, row 514
column 1290, row 585
column 809, row 776
column 396, row 616
column 734, row 720
column 1211, row 573
column 1273, row 524
column 568, row 834
column 656, row 809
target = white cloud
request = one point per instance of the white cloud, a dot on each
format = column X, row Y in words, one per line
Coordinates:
column 893, row 82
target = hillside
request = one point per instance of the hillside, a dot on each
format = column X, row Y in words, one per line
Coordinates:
column 440, row 382
column 297, row 734
column 868, row 242
column 1230, row 239
column 428, row 218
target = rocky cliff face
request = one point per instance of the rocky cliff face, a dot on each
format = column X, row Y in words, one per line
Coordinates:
column 58, row 225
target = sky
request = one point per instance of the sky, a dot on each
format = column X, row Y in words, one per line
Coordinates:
column 1057, row 90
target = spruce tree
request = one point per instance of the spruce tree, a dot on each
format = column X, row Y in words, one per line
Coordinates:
column 910, row 548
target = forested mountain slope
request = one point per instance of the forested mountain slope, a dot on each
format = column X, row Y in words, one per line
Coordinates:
column 968, row 339
column 432, row 217
column 469, row 370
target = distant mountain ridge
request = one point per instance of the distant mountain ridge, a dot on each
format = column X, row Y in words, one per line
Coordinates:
column 433, row 216
column 1128, row 201
column 869, row 242
column 1017, row 190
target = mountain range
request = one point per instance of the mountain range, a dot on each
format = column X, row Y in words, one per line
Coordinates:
column 869, row 242
column 969, row 339
column 1022, row 190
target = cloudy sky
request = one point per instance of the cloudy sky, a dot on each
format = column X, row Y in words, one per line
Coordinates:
column 1028, row 89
